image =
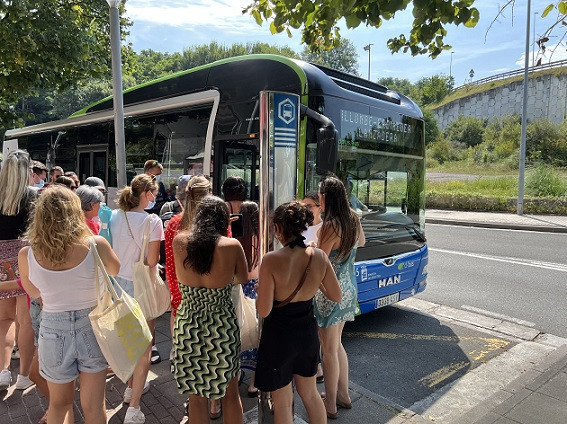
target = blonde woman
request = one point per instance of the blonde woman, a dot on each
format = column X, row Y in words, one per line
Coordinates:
column 59, row 267
column 16, row 201
column 127, row 227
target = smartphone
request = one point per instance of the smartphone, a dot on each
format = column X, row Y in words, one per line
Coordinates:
column 237, row 227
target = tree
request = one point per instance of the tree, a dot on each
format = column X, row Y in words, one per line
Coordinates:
column 49, row 44
column 318, row 20
column 401, row 85
column 208, row 53
column 429, row 90
column 342, row 58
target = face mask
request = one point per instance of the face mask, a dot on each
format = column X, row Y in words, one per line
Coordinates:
column 151, row 204
column 40, row 184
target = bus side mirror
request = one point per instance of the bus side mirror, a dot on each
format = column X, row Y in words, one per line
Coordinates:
column 327, row 146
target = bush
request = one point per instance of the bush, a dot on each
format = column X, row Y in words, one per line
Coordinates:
column 547, row 142
column 544, row 181
column 466, row 130
column 443, row 150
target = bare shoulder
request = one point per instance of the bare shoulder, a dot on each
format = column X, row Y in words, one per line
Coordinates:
column 180, row 240
column 226, row 242
column 23, row 253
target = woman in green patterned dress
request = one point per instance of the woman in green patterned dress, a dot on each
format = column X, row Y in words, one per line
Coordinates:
column 206, row 336
column 339, row 237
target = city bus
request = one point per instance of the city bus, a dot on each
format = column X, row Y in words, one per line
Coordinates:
column 282, row 125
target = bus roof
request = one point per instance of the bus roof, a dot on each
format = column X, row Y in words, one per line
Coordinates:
column 302, row 77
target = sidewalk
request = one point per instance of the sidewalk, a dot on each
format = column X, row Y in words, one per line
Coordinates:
column 539, row 395
column 547, row 223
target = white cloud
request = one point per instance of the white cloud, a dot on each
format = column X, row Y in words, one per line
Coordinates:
column 213, row 15
column 553, row 53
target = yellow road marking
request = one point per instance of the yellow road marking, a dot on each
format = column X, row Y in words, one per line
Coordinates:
column 492, row 341
column 444, row 373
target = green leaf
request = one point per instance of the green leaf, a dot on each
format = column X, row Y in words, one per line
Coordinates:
column 562, row 7
column 257, row 16
column 352, row 21
column 273, row 28
column 475, row 16
column 546, row 11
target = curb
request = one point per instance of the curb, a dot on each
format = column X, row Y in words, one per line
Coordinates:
column 501, row 225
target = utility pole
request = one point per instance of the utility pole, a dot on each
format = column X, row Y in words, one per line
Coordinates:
column 118, row 100
column 534, row 40
column 524, row 117
column 367, row 49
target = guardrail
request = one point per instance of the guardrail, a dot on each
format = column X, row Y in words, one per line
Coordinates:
column 509, row 74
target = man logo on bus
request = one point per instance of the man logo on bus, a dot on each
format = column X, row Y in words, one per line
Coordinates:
column 286, row 111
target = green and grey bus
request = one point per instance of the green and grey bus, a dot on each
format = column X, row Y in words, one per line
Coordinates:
column 282, row 125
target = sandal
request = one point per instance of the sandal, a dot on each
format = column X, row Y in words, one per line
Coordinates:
column 252, row 393
column 216, row 415
column 155, row 358
column 344, row 405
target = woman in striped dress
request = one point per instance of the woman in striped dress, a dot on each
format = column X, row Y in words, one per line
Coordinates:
column 206, row 337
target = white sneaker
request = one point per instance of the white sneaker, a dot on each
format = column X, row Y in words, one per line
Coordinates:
column 134, row 416
column 5, row 379
column 23, row 382
column 128, row 392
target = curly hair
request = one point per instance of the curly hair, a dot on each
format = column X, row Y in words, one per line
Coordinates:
column 197, row 189
column 211, row 222
column 129, row 196
column 234, row 188
column 58, row 224
column 339, row 216
column 292, row 218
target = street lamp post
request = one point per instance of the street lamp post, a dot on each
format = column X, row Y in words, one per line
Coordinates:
column 534, row 42
column 451, row 66
column 119, row 137
column 367, row 49
column 524, row 117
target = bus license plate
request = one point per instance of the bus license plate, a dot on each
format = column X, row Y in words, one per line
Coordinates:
column 388, row 300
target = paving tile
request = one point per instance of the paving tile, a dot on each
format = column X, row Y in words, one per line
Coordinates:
column 489, row 418
column 541, row 380
column 509, row 403
column 539, row 408
column 556, row 387
column 504, row 420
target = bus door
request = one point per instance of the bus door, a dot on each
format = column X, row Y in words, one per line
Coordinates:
column 240, row 158
column 92, row 161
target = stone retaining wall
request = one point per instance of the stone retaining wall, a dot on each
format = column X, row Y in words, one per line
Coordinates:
column 547, row 98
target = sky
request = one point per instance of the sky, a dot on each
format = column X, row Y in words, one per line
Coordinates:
column 173, row 25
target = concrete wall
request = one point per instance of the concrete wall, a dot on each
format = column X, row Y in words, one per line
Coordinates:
column 547, row 98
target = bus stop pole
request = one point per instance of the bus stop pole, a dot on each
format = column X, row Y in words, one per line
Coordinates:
column 119, row 137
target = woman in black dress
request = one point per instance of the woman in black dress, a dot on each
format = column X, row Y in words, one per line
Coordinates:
column 289, row 347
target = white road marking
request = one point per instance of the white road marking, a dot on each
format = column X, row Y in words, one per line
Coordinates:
column 517, row 261
column 497, row 315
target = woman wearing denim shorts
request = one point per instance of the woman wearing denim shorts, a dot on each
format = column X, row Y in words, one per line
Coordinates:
column 59, row 267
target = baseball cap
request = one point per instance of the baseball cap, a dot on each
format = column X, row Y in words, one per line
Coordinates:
column 182, row 182
column 95, row 182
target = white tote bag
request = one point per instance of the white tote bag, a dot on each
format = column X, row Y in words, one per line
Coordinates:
column 149, row 289
column 118, row 324
column 247, row 320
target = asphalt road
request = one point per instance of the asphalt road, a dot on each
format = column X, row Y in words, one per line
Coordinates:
column 519, row 274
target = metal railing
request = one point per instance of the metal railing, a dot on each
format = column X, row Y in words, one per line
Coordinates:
column 517, row 72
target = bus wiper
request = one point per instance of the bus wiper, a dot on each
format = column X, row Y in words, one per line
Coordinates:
column 412, row 229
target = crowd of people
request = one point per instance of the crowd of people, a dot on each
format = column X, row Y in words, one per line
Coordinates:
column 51, row 231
